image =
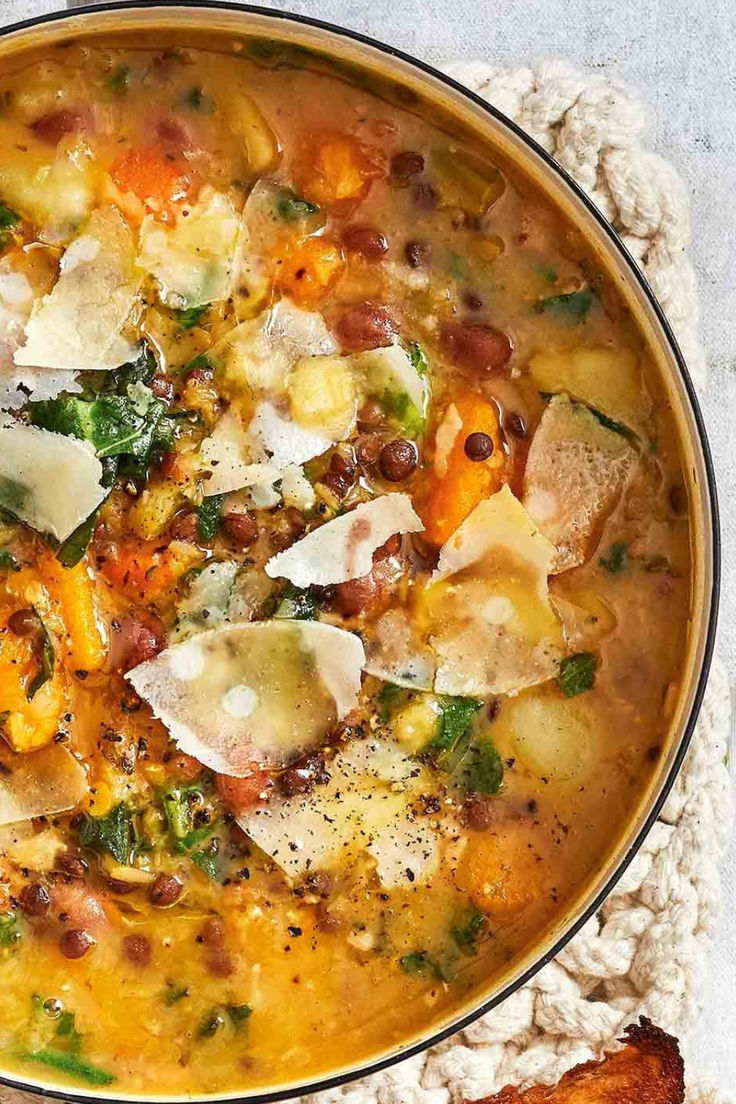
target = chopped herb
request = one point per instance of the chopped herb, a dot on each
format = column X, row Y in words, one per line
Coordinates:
column 195, row 99
column 467, row 931
column 174, row 993
column 207, row 862
column 8, row 561
column 418, row 358
column 238, row 1013
column 46, row 662
column 297, row 603
column 452, row 738
column 616, row 559
column 481, row 771
column 71, row 551
column 211, row 1024
column 189, row 317
column 656, row 563
column 549, row 275
column 10, row 933
column 119, row 79
column 458, row 268
column 575, row 305
column 609, row 423
column 8, row 221
column 66, row 1029
column 292, row 207
column 112, row 833
column 209, row 515
column 389, row 698
column 199, row 363
column 420, row 962
column 178, row 805
column 398, row 405
column 577, row 673
column 69, row 1063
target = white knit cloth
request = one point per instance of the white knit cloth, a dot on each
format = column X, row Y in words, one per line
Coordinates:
column 643, row 952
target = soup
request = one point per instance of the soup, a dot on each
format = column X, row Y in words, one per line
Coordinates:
column 344, row 565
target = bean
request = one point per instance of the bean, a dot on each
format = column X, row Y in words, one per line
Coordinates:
column 162, row 388
column 516, row 425
column 365, row 241
column 340, row 476
column 242, row 529
column 477, row 348
column 405, row 165
column 479, row 812
column 417, row 253
column 472, row 300
column 165, row 890
column 425, row 196
column 23, row 622
column 75, row 943
column 35, row 899
column 398, row 460
column 139, row 635
column 478, row 446
column 185, row 527
column 213, row 931
column 367, row 449
column 73, row 865
column 220, row 963
column 365, row 326
column 303, row 776
column 137, row 949
column 55, row 125
column 370, row 592
column 370, row 414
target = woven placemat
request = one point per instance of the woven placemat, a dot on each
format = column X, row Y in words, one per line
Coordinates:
column 643, row 952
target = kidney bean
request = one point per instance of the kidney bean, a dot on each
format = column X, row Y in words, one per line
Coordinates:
column 398, row 460
column 367, row 449
column 213, row 931
column 55, row 125
column 370, row 592
column 75, row 943
column 365, row 241
column 370, row 414
column 139, row 635
column 405, row 165
column 242, row 529
column 35, row 899
column 162, row 388
column 476, row 347
column 73, row 865
column 23, row 622
column 137, row 949
column 165, row 890
column 286, row 526
column 417, row 253
column 340, row 475
column 478, row 446
column 365, row 326
column 515, row 425
column 220, row 963
column 185, row 527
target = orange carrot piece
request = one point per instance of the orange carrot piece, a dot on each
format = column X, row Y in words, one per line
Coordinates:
column 444, row 501
column 340, row 170
column 147, row 569
column 307, row 269
column 160, row 183
column 73, row 591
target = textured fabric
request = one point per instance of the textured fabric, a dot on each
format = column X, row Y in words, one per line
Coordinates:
column 643, row 952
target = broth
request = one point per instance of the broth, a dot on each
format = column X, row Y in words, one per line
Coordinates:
column 290, row 294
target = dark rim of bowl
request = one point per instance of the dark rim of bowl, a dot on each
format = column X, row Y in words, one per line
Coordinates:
column 462, row 1022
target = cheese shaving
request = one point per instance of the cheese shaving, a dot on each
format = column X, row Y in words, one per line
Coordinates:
column 42, row 783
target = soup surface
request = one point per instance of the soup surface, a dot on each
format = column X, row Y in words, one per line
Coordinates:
column 344, row 565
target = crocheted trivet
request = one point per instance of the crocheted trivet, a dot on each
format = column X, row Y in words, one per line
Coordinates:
column 643, row 952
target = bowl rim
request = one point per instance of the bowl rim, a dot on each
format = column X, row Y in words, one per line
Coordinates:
column 710, row 606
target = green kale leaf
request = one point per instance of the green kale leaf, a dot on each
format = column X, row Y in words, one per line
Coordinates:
column 577, row 673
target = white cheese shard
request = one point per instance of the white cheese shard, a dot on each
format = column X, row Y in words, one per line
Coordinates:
column 77, row 326
column 390, row 369
column 41, row 783
column 305, row 675
column 490, row 619
column 369, row 804
column 287, row 442
column 445, row 438
column 395, row 652
column 206, row 604
column 259, row 352
column 343, row 548
column 296, row 489
column 50, row 482
column 575, row 472
column 192, row 261
column 233, row 458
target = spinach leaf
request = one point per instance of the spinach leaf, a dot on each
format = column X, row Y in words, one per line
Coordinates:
column 46, row 662
column 297, row 603
column 420, row 962
column 616, row 559
column 8, row 221
column 467, row 930
column 577, row 673
column 71, row 551
column 575, row 304
column 398, row 405
column 238, row 1013
column 112, row 833
column 389, row 698
column 112, row 423
column 482, row 768
column 451, row 740
column 189, row 317
column 8, row 561
column 14, row 496
column 140, row 370
column 69, row 1063
column 418, row 358
column 209, row 514
column 292, row 207
column 10, row 932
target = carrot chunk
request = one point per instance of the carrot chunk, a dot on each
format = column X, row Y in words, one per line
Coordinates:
column 27, row 725
column 339, row 171
column 159, row 182
column 307, row 269
column 73, row 592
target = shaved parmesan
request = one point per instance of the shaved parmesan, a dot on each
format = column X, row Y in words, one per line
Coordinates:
column 574, row 474
column 287, row 442
column 77, row 326
column 395, row 653
column 343, row 548
column 42, row 783
column 445, row 438
column 233, row 458
column 32, row 461
column 367, row 806
column 305, row 675
column 193, row 260
column 492, row 625
column 206, row 604
column 391, row 369
column 296, row 489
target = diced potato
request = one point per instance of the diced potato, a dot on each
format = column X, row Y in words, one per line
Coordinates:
column 554, row 736
column 323, row 395
column 416, row 725
column 500, row 873
column 262, row 149
column 74, row 592
column 607, row 379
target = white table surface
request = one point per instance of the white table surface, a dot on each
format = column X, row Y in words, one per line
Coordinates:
column 680, row 55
